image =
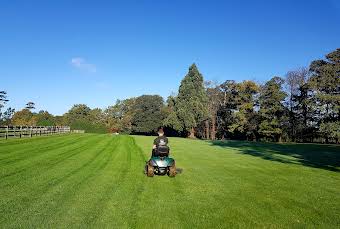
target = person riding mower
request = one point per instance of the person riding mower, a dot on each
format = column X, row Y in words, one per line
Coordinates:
column 160, row 162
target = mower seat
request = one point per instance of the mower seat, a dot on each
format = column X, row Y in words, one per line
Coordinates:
column 162, row 151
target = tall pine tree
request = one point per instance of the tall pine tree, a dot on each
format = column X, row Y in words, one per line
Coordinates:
column 325, row 83
column 191, row 102
column 272, row 111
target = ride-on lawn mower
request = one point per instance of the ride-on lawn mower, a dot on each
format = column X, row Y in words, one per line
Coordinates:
column 160, row 163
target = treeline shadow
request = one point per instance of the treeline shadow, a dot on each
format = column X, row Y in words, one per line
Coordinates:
column 313, row 155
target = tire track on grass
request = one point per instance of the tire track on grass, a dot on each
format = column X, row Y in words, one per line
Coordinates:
column 130, row 147
column 109, row 156
column 139, row 190
column 116, row 185
column 177, row 185
column 77, row 170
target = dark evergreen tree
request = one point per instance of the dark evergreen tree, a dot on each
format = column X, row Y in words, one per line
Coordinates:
column 304, row 114
column 272, row 111
column 3, row 98
column 191, row 102
column 325, row 83
column 6, row 116
column 30, row 106
column 171, row 121
column 244, row 124
column 229, row 103
column 3, row 101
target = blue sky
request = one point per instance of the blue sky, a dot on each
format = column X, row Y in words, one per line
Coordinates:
column 60, row 53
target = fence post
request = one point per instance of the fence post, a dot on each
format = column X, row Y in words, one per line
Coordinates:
column 31, row 131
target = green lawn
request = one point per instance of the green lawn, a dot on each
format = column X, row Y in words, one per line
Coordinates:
column 91, row 180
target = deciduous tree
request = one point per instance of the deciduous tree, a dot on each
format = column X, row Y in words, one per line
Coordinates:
column 297, row 103
column 45, row 119
column 24, row 118
column 215, row 98
column 148, row 114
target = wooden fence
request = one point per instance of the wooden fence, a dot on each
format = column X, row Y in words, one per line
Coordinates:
column 30, row 131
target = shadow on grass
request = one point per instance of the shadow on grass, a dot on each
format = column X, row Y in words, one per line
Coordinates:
column 179, row 170
column 312, row 155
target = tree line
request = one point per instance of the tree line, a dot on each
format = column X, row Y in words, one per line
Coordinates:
column 302, row 106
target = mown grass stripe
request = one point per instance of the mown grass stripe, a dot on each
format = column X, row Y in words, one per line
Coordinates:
column 97, row 181
column 76, row 182
column 37, row 192
column 16, row 155
column 48, row 155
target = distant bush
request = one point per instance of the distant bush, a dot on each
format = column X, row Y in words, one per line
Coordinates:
column 88, row 127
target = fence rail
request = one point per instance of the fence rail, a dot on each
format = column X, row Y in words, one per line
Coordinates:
column 30, row 131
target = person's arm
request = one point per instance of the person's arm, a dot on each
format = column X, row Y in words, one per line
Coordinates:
column 154, row 144
column 167, row 142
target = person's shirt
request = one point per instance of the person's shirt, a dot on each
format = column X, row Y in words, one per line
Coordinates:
column 161, row 141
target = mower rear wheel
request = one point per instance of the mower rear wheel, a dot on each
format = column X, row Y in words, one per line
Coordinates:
column 149, row 171
column 172, row 170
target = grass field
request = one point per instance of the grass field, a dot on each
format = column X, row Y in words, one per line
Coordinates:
column 91, row 180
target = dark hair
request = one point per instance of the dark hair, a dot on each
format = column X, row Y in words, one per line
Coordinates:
column 160, row 131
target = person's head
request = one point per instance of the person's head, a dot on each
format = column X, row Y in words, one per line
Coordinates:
column 160, row 132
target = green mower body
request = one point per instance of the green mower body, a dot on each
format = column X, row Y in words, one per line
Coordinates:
column 161, row 164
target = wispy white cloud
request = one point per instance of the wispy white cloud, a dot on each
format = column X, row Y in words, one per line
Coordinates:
column 81, row 63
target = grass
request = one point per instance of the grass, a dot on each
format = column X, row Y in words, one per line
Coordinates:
column 94, row 180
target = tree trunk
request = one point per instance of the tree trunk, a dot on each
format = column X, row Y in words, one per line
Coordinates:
column 213, row 128
column 207, row 129
column 292, row 118
column 192, row 133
